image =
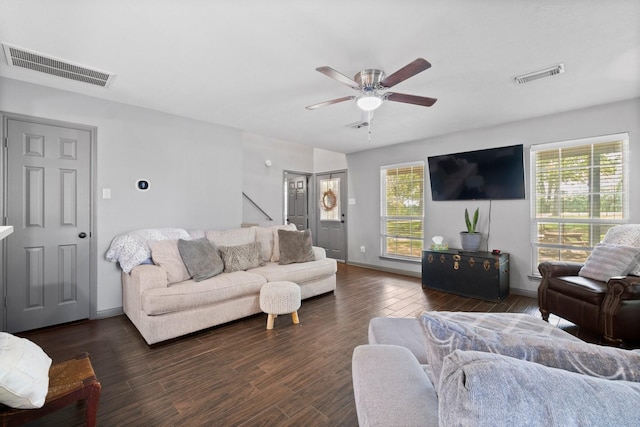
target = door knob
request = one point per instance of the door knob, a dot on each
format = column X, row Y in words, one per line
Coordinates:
column 82, row 235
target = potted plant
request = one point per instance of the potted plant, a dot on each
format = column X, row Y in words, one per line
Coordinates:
column 470, row 239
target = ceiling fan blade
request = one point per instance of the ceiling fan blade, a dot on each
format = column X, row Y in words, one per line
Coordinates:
column 333, row 101
column 330, row 72
column 410, row 99
column 409, row 70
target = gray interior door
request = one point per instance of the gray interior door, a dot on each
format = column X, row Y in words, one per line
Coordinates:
column 297, row 202
column 332, row 215
column 48, row 204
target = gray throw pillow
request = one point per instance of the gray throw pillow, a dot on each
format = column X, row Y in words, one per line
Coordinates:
column 522, row 341
column 241, row 257
column 482, row 389
column 201, row 258
column 295, row 246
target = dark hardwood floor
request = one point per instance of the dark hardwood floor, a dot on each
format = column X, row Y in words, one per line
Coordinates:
column 240, row 374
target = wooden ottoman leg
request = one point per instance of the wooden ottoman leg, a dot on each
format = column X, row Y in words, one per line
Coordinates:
column 294, row 317
column 270, row 320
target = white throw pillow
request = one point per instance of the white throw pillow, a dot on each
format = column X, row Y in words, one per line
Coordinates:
column 264, row 235
column 608, row 260
column 165, row 253
column 24, row 373
column 628, row 235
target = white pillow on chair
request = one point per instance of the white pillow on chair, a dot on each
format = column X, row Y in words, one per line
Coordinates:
column 628, row 235
column 24, row 373
column 607, row 261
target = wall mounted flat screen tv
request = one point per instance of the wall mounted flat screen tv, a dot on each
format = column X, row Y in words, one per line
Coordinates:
column 490, row 174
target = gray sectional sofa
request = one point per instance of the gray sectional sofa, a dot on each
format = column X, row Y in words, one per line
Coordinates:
column 163, row 301
column 490, row 369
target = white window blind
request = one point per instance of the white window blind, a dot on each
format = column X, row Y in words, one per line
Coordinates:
column 402, row 210
column 580, row 190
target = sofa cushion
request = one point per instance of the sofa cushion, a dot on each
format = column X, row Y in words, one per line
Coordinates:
column 24, row 372
column 165, row 253
column 527, row 339
column 581, row 288
column 264, row 236
column 190, row 294
column 482, row 389
column 234, row 237
column 275, row 256
column 295, row 246
column 402, row 331
column 201, row 258
column 298, row 272
column 607, row 261
column 241, row 257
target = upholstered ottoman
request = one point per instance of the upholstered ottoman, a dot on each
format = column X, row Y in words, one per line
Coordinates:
column 280, row 298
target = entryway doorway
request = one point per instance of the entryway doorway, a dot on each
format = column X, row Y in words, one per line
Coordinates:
column 48, row 200
column 296, row 198
column 332, row 214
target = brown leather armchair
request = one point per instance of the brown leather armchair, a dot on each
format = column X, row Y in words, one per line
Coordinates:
column 611, row 308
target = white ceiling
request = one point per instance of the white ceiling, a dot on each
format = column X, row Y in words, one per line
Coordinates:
column 250, row 64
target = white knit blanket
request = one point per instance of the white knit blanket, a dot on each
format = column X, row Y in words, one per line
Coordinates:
column 131, row 249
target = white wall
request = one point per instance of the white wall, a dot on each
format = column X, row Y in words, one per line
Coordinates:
column 198, row 172
column 265, row 184
column 328, row 161
column 510, row 225
column 195, row 168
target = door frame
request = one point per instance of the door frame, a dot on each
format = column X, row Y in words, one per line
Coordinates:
column 93, row 245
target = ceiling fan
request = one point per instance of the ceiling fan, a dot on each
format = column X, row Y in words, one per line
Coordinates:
column 372, row 83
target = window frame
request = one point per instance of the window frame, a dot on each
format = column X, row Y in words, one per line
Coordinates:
column 384, row 217
column 535, row 242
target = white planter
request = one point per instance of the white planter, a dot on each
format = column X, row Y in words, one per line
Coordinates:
column 470, row 241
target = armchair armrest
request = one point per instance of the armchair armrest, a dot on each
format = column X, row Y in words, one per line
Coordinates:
column 549, row 269
column 628, row 288
column 621, row 308
column 559, row 268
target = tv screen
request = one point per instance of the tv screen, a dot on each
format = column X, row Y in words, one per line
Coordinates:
column 490, row 174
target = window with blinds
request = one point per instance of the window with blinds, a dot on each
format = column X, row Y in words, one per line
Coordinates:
column 579, row 191
column 402, row 210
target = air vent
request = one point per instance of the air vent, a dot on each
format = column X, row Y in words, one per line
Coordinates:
column 18, row 57
column 535, row 75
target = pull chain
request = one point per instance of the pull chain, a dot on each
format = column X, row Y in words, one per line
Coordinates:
column 370, row 119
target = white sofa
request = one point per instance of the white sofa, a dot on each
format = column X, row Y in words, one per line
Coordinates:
column 163, row 302
column 490, row 369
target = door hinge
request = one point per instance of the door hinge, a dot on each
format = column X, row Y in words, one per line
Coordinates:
column 6, row 142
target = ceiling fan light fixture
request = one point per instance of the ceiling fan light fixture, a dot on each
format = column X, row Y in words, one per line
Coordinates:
column 369, row 102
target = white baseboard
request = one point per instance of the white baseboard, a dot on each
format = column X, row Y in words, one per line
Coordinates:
column 111, row 312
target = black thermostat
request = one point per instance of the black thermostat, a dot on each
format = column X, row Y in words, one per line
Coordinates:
column 142, row 185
